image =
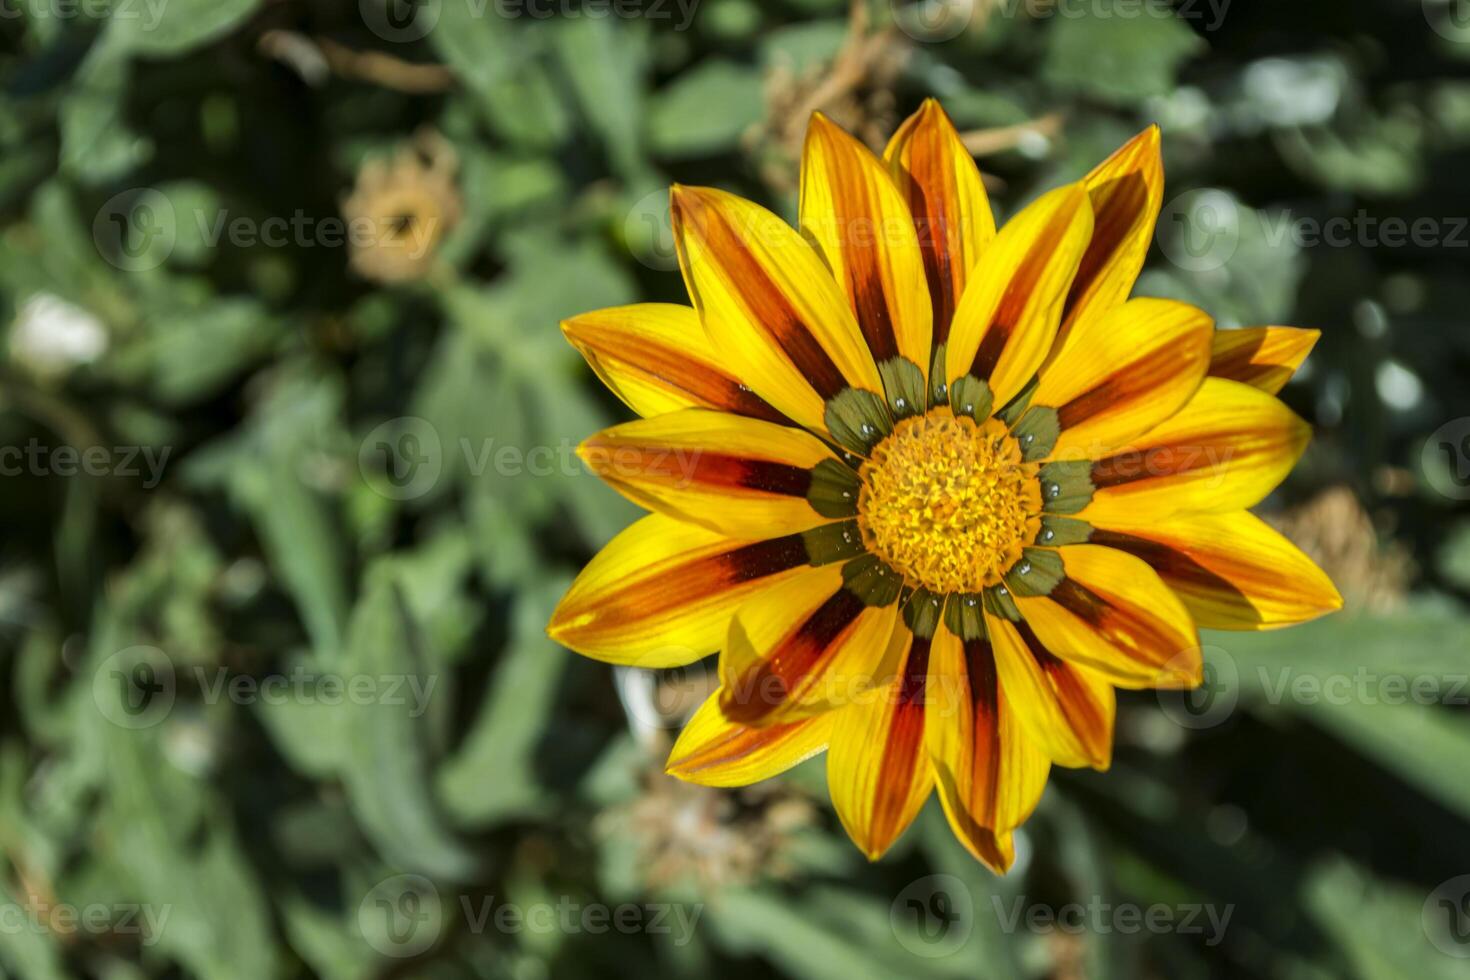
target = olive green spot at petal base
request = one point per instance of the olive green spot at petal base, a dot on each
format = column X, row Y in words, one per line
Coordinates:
column 858, row 419
column 964, row 616
column 970, row 396
column 904, row 383
column 1058, row 531
column 999, row 602
column 922, row 613
column 1066, row 486
column 872, row 581
column 1018, row 405
column 834, row 489
column 1037, row 432
column 1036, row 574
column 938, row 390
column 833, row 542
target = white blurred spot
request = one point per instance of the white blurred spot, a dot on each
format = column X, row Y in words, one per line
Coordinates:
column 52, row 336
column 1398, row 386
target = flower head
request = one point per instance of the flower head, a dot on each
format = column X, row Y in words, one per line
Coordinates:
column 401, row 210
column 932, row 490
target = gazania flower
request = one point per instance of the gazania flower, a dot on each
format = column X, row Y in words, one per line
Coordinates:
column 932, row 491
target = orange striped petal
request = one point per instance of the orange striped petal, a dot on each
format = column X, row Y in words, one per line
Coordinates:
column 1114, row 614
column 1226, row 450
column 1008, row 315
column 878, row 770
column 657, row 358
column 1066, row 707
column 740, row 476
column 853, row 212
column 773, row 311
column 1126, row 191
column 806, row 648
column 1262, row 357
column 989, row 774
column 662, row 592
column 1124, row 373
column 1233, row 570
column 951, row 211
column 712, row 751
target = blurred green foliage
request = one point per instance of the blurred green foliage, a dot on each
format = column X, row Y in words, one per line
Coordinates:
column 280, row 540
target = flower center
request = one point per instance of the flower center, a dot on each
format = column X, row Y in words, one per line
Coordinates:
column 948, row 502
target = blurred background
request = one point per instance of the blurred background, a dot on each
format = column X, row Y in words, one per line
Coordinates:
column 288, row 492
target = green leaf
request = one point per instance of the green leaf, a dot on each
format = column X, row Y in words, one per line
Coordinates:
column 492, row 777
column 97, row 144
column 606, row 64
column 389, row 770
column 1378, row 927
column 1376, row 683
column 705, row 110
column 174, row 27
column 502, row 64
column 1119, row 51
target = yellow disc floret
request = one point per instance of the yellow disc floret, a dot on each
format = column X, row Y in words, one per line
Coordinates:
column 948, row 502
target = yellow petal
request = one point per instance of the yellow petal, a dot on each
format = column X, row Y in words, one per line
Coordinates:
column 989, row 774
column 1125, row 192
column 1124, row 373
column 741, row 476
column 773, row 311
column 1065, row 707
column 657, row 358
column 1225, row 450
column 714, row 752
column 853, row 212
column 878, row 770
column 662, row 592
column 1263, row 357
column 1008, row 315
column 1233, row 570
column 951, row 211
column 1113, row 613
column 809, row 647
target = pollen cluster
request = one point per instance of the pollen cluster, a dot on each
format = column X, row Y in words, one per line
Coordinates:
column 948, row 502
